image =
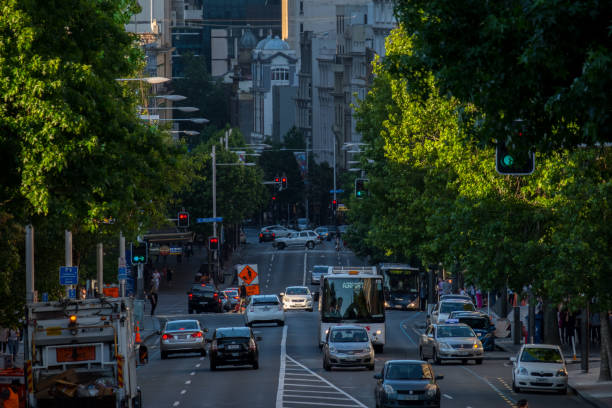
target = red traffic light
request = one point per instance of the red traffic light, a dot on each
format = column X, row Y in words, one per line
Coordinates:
column 182, row 216
column 273, row 198
column 214, row 240
column 334, row 202
column 213, row 243
column 276, row 180
column 284, row 179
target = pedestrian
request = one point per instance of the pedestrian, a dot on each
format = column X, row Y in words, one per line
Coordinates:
column 153, row 297
column 156, row 276
column 478, row 298
column 522, row 404
column 447, row 287
column 423, row 296
column 243, row 295
column 3, row 339
column 13, row 343
column 561, row 322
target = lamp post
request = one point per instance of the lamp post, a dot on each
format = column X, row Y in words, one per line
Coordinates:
column 149, row 80
column 178, row 108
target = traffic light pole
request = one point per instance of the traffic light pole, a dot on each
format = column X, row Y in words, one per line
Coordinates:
column 214, row 196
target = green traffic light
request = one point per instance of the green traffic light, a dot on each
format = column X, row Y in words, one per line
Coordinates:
column 508, row 160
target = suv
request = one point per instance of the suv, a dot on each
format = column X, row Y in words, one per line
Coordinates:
column 306, row 238
column 204, row 298
column 234, row 346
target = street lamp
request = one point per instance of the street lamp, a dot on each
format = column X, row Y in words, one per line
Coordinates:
column 172, row 98
column 178, row 108
column 149, row 80
column 187, row 132
column 157, row 118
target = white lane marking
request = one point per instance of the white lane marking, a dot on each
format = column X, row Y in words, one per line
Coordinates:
column 183, row 392
column 305, row 259
column 176, row 404
column 314, row 396
column 192, row 373
column 327, row 382
column 404, row 330
column 281, row 372
column 489, row 384
column 447, row 396
column 198, row 365
column 187, row 382
column 321, row 403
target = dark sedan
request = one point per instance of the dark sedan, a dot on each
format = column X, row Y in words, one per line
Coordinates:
column 407, row 382
column 204, row 298
column 234, row 346
column 266, row 235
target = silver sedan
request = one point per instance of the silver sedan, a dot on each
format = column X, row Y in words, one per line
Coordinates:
column 348, row 346
column 182, row 336
column 450, row 342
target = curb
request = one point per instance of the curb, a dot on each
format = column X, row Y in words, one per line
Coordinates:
column 586, row 397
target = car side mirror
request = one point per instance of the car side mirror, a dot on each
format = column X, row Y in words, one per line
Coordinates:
column 282, row 294
column 513, row 359
column 439, row 377
column 378, row 376
column 258, row 338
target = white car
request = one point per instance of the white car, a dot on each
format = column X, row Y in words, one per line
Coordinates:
column 280, row 231
column 317, row 272
column 264, row 309
column 297, row 297
column 539, row 367
column 443, row 309
column 306, row 239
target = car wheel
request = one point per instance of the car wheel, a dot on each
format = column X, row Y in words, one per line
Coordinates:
column 371, row 367
column 310, row 245
column 326, row 365
column 256, row 365
column 310, row 310
column 281, row 322
column 436, row 358
column 213, row 366
column 164, row 355
column 203, row 353
column 515, row 388
column 478, row 361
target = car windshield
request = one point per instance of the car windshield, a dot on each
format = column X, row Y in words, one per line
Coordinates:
column 541, row 355
column 296, row 291
column 176, row 326
column 409, row 372
column 349, row 336
column 231, row 292
column 455, row 331
column 232, row 332
column 480, row 323
column 448, row 307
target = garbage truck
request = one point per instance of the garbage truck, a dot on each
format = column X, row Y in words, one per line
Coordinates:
column 82, row 353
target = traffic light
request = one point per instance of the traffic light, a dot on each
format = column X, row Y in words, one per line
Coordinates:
column 284, row 182
column 334, row 205
column 513, row 161
column 139, row 254
column 277, row 179
column 360, row 188
column 183, row 219
column 273, row 198
column 213, row 243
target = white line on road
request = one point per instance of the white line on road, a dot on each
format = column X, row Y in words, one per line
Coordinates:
column 192, row 373
column 198, row 365
column 183, row 392
column 497, row 390
column 187, row 382
column 447, row 396
column 305, row 259
column 327, row 382
column 281, row 372
column 176, row 404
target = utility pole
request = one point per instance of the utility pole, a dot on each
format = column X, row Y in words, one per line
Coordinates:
column 306, row 178
column 100, row 268
column 122, row 263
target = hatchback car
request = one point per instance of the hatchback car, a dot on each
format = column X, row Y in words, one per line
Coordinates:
column 297, row 297
column 264, row 309
column 182, row 336
column 407, row 382
column 454, row 341
column 233, row 295
column 234, row 346
column 204, row 298
column 539, row 367
column 348, row 346
column 266, row 234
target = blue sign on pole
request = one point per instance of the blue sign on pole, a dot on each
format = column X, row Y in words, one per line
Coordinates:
column 69, row 275
column 122, row 273
column 45, row 297
column 130, row 286
column 203, row 220
column 72, row 293
column 337, row 191
column 128, row 257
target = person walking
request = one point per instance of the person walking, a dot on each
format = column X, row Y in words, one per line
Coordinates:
column 3, row 339
column 153, row 296
column 13, row 344
column 478, row 298
column 243, row 295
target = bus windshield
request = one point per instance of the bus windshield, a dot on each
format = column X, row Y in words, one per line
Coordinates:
column 401, row 281
column 352, row 300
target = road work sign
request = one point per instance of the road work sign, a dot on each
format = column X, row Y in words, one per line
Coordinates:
column 248, row 276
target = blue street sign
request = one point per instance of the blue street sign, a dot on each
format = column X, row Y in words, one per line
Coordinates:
column 130, row 286
column 128, row 258
column 203, row 220
column 72, row 293
column 122, row 273
column 69, row 275
column 45, row 297
column 337, row 191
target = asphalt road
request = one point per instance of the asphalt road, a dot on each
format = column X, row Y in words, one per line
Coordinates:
column 290, row 370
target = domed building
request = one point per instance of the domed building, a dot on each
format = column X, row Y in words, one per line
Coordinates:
column 273, row 66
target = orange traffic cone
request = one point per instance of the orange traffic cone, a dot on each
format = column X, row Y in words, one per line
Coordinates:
column 137, row 334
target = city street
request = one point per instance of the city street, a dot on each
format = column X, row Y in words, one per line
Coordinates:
column 290, row 370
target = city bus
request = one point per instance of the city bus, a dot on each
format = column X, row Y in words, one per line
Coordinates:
column 353, row 295
column 401, row 283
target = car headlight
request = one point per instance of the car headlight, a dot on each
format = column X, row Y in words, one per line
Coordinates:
column 561, row 373
column 387, row 304
column 332, row 349
column 431, row 392
column 378, row 332
column 389, row 391
column 367, row 349
column 477, row 344
column 523, row 371
column 444, row 345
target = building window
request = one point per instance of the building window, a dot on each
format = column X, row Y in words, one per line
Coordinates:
column 280, row 74
column 301, row 7
column 365, row 19
column 301, row 27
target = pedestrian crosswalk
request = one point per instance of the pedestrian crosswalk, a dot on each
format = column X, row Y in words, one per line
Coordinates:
column 301, row 387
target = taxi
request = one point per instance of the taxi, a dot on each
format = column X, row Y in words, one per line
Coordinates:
column 450, row 341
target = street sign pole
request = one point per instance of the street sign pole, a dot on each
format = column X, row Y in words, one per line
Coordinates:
column 68, row 256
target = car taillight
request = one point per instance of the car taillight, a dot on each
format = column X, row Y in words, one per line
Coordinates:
column 215, row 295
column 213, row 345
column 260, row 235
column 273, row 235
column 167, row 337
column 190, row 296
column 197, row 334
column 236, row 297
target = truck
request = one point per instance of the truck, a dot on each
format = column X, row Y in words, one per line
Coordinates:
column 82, row 353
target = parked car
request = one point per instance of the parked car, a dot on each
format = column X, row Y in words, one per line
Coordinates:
column 204, row 298
column 348, row 346
column 234, row 346
column 444, row 307
column 317, row 272
column 306, row 239
column 453, row 341
column 322, row 233
column 407, row 382
column 266, row 234
column 539, row 367
column 264, row 309
column 297, row 297
column 182, row 336
column 480, row 323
